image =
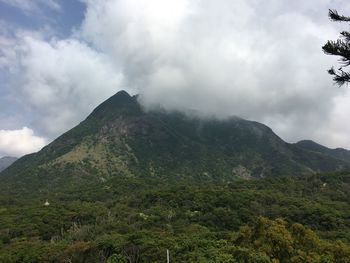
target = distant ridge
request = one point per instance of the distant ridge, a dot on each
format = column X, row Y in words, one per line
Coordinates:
column 6, row 162
column 338, row 153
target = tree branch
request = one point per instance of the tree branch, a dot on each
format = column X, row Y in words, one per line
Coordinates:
column 334, row 16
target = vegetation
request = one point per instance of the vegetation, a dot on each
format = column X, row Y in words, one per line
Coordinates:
column 286, row 219
column 340, row 48
column 126, row 185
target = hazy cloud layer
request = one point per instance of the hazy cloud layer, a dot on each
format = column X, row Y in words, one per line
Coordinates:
column 260, row 60
column 19, row 142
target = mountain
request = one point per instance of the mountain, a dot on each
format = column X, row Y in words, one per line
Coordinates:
column 126, row 185
column 119, row 138
column 338, row 153
column 6, row 162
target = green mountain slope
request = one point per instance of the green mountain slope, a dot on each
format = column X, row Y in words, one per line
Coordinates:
column 120, row 139
column 125, row 185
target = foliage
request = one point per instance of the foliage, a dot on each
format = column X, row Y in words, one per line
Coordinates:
column 126, row 185
column 136, row 220
column 340, row 48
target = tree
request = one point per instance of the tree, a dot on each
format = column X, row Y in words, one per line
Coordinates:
column 341, row 48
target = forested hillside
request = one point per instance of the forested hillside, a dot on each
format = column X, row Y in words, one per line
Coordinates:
column 120, row 138
column 127, row 184
column 285, row 219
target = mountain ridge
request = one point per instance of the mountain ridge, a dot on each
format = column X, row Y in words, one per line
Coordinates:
column 339, row 153
column 126, row 179
column 119, row 138
column 6, row 161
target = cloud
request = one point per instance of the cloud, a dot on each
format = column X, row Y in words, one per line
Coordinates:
column 19, row 142
column 60, row 81
column 260, row 60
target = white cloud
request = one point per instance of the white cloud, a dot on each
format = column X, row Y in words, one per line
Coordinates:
column 260, row 60
column 19, row 142
column 61, row 81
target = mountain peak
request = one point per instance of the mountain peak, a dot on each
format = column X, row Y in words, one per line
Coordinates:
column 122, row 94
column 121, row 102
column 121, row 97
column 118, row 138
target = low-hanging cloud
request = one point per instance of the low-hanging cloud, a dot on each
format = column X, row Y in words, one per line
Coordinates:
column 260, row 60
column 19, row 142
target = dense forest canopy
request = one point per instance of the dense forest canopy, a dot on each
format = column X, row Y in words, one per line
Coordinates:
column 287, row 219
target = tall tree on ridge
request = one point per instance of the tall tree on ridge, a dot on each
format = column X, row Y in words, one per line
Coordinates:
column 341, row 48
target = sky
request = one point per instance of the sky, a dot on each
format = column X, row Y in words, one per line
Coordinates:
column 257, row 59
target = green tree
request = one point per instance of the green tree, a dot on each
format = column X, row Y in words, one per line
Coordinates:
column 116, row 258
column 340, row 48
